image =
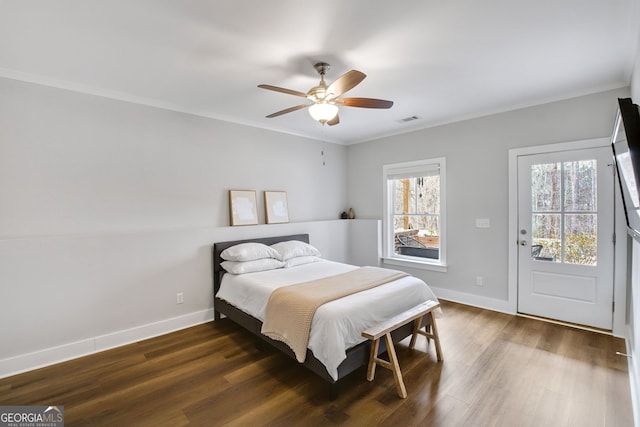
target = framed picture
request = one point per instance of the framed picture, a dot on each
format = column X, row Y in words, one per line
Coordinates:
column 243, row 207
column 275, row 207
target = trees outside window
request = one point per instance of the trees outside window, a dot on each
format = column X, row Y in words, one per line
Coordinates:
column 564, row 211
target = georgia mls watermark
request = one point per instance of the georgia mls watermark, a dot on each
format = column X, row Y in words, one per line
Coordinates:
column 31, row 416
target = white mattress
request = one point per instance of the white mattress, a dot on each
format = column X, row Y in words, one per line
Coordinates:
column 337, row 325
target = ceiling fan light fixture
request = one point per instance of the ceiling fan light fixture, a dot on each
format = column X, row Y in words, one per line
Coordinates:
column 323, row 111
column 323, row 100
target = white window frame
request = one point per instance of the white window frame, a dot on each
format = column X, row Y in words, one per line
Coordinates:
column 413, row 168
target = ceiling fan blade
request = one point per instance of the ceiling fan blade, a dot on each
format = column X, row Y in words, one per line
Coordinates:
column 334, row 121
column 285, row 111
column 345, row 82
column 364, row 102
column 284, row 90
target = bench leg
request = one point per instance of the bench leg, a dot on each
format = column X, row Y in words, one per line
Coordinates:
column 435, row 336
column 392, row 364
column 395, row 367
column 416, row 331
column 373, row 357
column 432, row 333
column 416, row 314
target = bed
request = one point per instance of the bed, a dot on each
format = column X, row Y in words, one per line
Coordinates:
column 229, row 295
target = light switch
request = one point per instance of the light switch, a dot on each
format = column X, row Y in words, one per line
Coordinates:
column 482, row 223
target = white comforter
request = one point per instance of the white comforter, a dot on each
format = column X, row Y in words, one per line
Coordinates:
column 337, row 325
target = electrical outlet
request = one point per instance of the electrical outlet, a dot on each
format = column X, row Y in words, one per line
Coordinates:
column 179, row 298
column 479, row 281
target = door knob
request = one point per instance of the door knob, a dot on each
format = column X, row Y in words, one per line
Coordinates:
column 523, row 243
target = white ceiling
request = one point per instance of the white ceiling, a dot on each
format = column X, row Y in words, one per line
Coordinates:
column 441, row 61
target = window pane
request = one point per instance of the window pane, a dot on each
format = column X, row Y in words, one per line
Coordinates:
column 421, row 239
column 545, row 187
column 580, row 239
column 580, row 186
column 417, row 195
column 401, row 222
column 428, row 194
column 546, row 239
column 405, row 196
column 420, row 225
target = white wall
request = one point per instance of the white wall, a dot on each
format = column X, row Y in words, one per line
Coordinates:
column 74, row 163
column 633, row 296
column 633, row 343
column 365, row 242
column 635, row 78
column 477, row 181
column 108, row 209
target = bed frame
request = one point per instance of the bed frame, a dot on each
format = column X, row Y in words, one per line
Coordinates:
column 357, row 356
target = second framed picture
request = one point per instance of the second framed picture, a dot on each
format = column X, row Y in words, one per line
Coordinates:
column 275, row 207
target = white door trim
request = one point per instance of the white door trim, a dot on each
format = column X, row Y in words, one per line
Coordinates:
column 619, row 328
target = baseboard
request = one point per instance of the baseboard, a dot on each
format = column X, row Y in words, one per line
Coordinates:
column 493, row 304
column 49, row 356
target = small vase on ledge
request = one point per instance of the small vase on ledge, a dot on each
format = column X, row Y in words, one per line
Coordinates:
column 352, row 214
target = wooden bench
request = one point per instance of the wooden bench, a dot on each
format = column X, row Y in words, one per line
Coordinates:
column 415, row 314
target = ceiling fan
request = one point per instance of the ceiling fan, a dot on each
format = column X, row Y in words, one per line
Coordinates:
column 326, row 99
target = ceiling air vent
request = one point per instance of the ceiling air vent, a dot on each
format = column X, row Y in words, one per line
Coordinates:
column 408, row 119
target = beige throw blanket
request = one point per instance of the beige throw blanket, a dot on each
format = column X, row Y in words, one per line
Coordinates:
column 291, row 308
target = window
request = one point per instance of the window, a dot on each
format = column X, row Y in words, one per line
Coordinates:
column 564, row 212
column 414, row 218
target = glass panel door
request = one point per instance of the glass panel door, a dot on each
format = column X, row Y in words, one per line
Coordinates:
column 565, row 236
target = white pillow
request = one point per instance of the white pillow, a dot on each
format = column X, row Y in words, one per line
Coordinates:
column 292, row 262
column 249, row 252
column 242, row 267
column 294, row 248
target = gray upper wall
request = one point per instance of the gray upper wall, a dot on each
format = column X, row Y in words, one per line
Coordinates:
column 476, row 153
column 72, row 163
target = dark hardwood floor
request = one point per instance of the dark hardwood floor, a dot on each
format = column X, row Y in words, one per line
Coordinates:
column 498, row 370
